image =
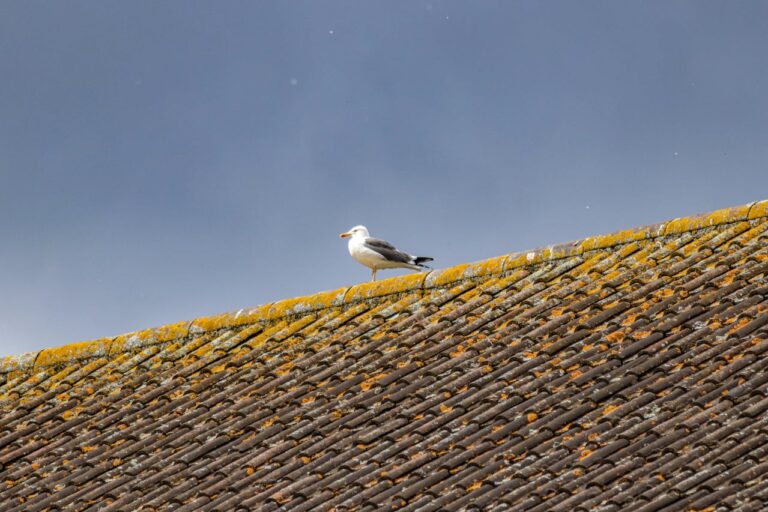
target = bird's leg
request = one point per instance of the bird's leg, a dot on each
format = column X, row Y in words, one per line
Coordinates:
column 373, row 274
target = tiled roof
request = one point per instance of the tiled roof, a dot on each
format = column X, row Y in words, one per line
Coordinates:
column 621, row 372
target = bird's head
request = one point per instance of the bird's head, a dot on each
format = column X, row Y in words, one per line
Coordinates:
column 355, row 231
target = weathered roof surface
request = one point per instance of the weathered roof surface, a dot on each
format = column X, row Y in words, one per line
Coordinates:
column 621, row 372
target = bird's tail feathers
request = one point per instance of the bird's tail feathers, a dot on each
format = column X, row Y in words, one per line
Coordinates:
column 420, row 260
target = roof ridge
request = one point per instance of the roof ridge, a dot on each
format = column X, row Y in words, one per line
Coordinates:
column 106, row 347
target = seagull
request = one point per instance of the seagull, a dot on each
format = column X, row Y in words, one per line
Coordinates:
column 376, row 254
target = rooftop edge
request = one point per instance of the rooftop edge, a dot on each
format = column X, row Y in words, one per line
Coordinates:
column 108, row 347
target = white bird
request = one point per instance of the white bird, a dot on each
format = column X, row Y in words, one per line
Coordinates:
column 377, row 254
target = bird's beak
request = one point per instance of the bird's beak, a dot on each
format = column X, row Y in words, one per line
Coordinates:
column 345, row 235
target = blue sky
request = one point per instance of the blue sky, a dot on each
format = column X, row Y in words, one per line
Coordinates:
column 161, row 161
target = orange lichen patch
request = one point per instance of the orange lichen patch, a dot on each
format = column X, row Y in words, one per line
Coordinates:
column 741, row 323
column 269, row 422
column 249, row 470
column 728, row 279
column 660, row 477
column 532, row 416
column 69, row 354
column 369, row 382
column 284, row 369
column 305, row 459
column 609, row 409
column 556, row 312
column 87, row 448
column 117, row 462
column 530, row 355
column 474, row 486
column 307, row 400
column 578, row 472
column 616, row 336
column 584, row 454
column 576, row 374
column 445, row 409
column 641, row 334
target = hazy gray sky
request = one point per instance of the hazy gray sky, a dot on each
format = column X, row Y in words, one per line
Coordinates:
column 161, row 161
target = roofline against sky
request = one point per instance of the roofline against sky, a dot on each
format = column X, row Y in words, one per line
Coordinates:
column 347, row 296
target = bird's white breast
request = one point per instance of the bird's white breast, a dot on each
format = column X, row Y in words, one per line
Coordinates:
column 364, row 255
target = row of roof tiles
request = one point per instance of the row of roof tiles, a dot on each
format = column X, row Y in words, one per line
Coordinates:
column 631, row 378
column 345, row 297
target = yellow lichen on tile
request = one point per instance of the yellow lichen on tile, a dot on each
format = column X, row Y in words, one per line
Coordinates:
column 490, row 266
column 73, row 352
column 16, row 363
column 759, row 209
column 385, row 287
column 229, row 320
column 726, row 215
column 445, row 277
column 618, row 238
column 139, row 339
column 300, row 305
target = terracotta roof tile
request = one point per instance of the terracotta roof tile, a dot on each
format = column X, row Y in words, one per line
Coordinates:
column 623, row 371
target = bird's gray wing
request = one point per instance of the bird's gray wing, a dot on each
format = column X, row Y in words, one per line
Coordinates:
column 387, row 250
